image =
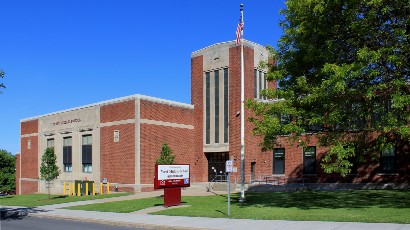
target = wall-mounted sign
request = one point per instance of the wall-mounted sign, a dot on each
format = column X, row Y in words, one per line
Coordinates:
column 67, row 121
column 171, row 176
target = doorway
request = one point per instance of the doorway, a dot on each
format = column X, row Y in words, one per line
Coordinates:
column 216, row 165
column 253, row 171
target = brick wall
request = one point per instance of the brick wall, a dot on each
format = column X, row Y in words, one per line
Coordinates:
column 179, row 140
column 118, row 158
column 29, row 187
column 164, row 112
column 29, row 156
column 197, row 72
column 29, row 127
column 117, row 111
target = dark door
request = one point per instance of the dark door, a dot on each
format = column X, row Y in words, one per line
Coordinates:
column 216, row 165
column 253, row 170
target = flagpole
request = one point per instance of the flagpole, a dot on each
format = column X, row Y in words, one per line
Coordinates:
column 242, row 198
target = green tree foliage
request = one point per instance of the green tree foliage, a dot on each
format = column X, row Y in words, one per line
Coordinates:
column 2, row 76
column 166, row 157
column 7, row 172
column 48, row 168
column 344, row 72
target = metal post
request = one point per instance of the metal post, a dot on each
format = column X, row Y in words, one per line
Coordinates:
column 242, row 198
column 229, row 194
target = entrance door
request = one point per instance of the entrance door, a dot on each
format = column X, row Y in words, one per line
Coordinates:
column 216, row 165
column 253, row 171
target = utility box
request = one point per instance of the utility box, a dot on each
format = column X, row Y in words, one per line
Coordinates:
column 82, row 187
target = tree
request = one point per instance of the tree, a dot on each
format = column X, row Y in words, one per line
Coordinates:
column 48, row 168
column 2, row 76
column 344, row 70
column 7, row 172
column 166, row 157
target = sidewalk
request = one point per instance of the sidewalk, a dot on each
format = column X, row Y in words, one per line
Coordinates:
column 145, row 220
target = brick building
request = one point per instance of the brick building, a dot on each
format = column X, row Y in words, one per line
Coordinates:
column 120, row 139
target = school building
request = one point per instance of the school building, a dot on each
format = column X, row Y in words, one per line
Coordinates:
column 120, row 139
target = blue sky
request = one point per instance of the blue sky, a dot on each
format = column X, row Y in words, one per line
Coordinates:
column 68, row 53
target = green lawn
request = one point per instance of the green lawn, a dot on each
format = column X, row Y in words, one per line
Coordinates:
column 34, row 200
column 377, row 206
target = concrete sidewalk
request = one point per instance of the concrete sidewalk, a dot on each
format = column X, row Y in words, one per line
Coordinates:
column 145, row 220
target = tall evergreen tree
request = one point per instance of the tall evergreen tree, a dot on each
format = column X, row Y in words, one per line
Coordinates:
column 48, row 168
column 166, row 157
column 343, row 72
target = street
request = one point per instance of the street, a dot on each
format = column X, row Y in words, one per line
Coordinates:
column 40, row 223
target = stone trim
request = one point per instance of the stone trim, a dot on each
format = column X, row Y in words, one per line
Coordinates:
column 164, row 123
column 122, row 122
column 29, row 135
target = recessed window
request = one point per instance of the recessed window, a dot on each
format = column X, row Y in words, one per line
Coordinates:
column 87, row 159
column 309, row 160
column 50, row 143
column 388, row 159
column 67, row 154
column 279, row 161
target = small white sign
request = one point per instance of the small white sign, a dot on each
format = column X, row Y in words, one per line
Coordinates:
column 229, row 166
column 235, row 169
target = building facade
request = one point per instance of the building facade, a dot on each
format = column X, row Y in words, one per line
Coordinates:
column 120, row 139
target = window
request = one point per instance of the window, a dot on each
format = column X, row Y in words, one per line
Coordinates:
column 207, row 108
column 226, row 112
column 50, row 143
column 87, row 159
column 216, row 106
column 67, row 154
column 309, row 160
column 388, row 159
column 279, row 161
column 259, row 83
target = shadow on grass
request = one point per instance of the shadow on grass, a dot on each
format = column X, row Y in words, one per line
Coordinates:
column 328, row 199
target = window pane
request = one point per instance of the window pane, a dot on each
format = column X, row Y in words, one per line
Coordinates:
column 207, row 108
column 50, row 143
column 216, row 106
column 226, row 112
column 279, row 161
column 255, row 83
column 309, row 160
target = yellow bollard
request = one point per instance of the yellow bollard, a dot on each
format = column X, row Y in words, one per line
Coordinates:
column 69, row 188
column 72, row 189
column 93, row 189
column 101, row 189
column 86, row 189
column 108, row 187
column 65, row 187
column 78, row 189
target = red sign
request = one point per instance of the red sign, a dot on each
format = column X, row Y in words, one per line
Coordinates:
column 171, row 176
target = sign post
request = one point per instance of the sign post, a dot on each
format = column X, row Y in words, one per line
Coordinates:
column 171, row 178
column 228, row 169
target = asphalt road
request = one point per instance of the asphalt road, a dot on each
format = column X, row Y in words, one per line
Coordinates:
column 40, row 223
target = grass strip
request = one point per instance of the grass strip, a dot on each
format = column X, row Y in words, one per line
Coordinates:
column 373, row 206
column 34, row 200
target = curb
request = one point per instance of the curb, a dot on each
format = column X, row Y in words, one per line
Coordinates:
column 116, row 223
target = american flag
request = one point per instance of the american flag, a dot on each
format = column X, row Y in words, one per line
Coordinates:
column 239, row 30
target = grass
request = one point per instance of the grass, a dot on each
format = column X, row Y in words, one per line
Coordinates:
column 124, row 206
column 34, row 200
column 374, row 206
